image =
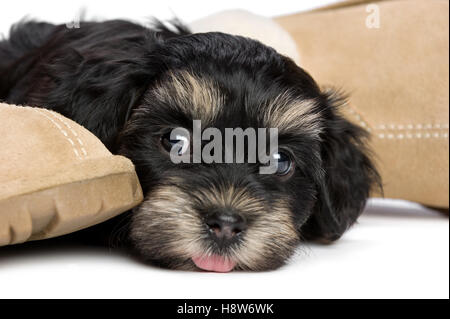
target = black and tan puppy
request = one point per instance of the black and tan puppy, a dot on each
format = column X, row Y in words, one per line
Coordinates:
column 131, row 85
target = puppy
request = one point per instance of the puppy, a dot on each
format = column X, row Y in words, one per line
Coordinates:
column 131, row 86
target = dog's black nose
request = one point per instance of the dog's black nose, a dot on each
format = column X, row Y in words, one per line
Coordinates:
column 224, row 226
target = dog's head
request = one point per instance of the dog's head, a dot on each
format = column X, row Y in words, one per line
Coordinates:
column 224, row 216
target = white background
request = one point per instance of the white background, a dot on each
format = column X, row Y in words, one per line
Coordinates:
column 138, row 10
column 397, row 249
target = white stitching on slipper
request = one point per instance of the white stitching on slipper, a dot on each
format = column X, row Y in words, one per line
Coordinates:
column 400, row 127
column 62, row 131
column 359, row 118
column 56, row 115
column 425, row 130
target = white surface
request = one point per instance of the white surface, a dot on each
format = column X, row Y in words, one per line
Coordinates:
column 397, row 250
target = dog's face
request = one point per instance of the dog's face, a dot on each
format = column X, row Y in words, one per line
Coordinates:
column 224, row 216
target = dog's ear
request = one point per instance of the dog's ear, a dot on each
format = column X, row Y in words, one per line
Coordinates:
column 347, row 177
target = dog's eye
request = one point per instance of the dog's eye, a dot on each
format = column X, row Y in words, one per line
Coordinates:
column 284, row 163
column 181, row 143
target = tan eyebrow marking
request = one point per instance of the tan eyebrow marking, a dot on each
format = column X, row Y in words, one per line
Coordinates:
column 290, row 114
column 199, row 97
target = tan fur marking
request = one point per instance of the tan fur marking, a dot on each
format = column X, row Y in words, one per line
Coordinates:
column 291, row 114
column 199, row 97
column 272, row 232
column 170, row 209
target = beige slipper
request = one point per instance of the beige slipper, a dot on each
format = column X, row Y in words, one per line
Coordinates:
column 56, row 177
column 392, row 57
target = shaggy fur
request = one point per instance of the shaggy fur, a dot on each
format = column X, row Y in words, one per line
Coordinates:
column 130, row 85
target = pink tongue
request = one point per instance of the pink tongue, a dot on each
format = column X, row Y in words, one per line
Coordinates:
column 214, row 263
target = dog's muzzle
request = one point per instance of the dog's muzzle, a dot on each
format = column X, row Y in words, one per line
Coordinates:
column 225, row 227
